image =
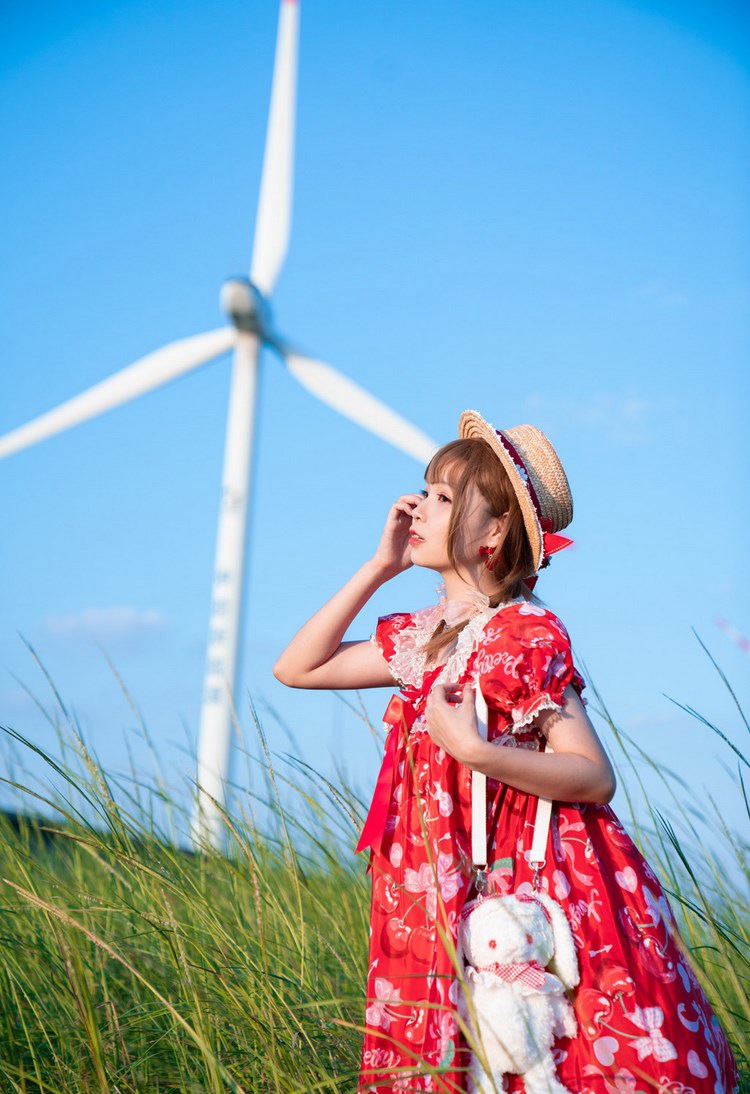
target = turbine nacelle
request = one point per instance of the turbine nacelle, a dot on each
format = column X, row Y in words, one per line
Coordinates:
column 246, row 306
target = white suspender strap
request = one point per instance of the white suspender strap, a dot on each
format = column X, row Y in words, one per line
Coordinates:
column 541, row 827
column 479, row 793
column 479, row 806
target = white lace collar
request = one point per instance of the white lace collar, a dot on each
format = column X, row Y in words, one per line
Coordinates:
column 471, row 603
column 409, row 663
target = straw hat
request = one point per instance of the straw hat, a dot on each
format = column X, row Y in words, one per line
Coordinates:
column 537, row 476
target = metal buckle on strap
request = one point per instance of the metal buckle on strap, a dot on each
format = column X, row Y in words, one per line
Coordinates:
column 537, row 867
column 481, row 883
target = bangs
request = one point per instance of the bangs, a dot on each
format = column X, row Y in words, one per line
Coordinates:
column 449, row 464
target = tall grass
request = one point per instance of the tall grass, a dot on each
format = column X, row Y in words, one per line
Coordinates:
column 130, row 965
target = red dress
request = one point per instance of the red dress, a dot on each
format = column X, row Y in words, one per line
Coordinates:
column 644, row 1023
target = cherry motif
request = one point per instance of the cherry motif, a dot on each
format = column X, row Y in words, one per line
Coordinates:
column 395, row 938
column 618, row 837
column 592, row 1008
column 422, row 945
column 416, row 1024
column 614, row 980
column 651, row 953
column 384, row 895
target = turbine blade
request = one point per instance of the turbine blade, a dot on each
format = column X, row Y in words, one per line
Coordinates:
column 144, row 375
column 273, row 220
column 341, row 393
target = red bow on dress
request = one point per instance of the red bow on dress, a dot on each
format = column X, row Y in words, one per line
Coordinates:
column 400, row 716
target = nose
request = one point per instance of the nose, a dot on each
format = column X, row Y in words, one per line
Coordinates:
column 416, row 513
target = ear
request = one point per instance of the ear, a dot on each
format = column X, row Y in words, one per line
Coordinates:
column 496, row 530
column 564, row 961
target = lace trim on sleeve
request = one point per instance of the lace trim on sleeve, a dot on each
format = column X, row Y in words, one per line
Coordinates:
column 397, row 679
column 525, row 714
column 408, row 663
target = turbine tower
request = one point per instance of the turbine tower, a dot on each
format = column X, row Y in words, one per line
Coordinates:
column 246, row 302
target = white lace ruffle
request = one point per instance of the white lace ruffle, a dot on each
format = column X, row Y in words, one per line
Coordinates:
column 547, row 703
column 455, row 611
column 409, row 662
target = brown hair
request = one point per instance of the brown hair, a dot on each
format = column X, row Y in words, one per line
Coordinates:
column 462, row 463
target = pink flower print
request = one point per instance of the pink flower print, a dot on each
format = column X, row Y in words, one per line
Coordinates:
column 379, row 1013
column 448, row 878
column 650, row 1019
column 658, row 908
column 625, row 1083
column 444, row 800
column 531, row 609
column 554, row 669
column 424, row 881
column 444, row 1030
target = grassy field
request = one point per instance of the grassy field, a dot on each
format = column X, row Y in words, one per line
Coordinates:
column 132, row 966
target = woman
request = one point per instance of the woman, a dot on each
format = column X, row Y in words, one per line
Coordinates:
column 487, row 522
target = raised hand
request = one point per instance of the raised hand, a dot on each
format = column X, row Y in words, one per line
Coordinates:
column 393, row 552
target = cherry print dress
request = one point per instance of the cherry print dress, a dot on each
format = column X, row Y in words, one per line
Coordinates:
column 644, row 1023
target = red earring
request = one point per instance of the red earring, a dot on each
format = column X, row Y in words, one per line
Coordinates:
column 489, row 552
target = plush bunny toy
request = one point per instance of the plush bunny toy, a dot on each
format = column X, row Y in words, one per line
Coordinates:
column 515, row 1007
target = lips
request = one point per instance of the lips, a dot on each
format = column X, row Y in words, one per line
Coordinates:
column 414, row 538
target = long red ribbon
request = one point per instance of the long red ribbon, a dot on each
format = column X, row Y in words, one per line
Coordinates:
column 400, row 716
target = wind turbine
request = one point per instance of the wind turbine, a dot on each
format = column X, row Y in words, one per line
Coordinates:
column 247, row 303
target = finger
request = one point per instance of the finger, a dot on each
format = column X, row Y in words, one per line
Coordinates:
column 408, row 513
column 441, row 695
column 440, row 689
column 409, row 500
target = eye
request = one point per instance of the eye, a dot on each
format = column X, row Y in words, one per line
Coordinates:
column 423, row 493
column 444, row 497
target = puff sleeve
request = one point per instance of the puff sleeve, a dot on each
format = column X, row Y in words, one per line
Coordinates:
column 525, row 663
column 386, row 638
column 400, row 637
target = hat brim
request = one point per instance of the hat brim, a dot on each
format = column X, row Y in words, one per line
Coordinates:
column 472, row 425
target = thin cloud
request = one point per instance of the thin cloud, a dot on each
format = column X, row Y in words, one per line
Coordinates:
column 625, row 418
column 107, row 625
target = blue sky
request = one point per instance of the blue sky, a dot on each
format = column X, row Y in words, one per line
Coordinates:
column 536, row 210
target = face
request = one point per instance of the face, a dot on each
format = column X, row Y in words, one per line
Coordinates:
column 429, row 528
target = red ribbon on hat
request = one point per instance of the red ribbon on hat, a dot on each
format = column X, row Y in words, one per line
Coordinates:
column 551, row 541
column 400, row 716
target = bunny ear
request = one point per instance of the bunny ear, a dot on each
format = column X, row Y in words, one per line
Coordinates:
column 564, row 961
